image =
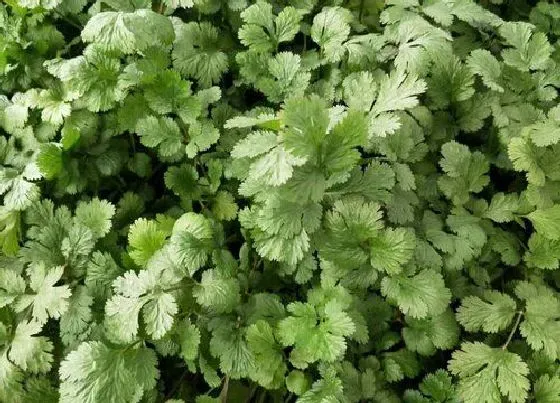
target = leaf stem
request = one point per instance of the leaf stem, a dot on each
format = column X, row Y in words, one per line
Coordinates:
column 361, row 11
column 513, row 329
column 224, row 392
column 68, row 20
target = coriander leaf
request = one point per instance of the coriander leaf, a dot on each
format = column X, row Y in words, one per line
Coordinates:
column 489, row 373
column 95, row 215
column 547, row 221
column 392, row 249
column 314, row 341
column 75, row 322
column 31, row 353
column 12, row 285
column 330, row 29
column 531, row 51
column 48, row 300
column 502, row 207
column 189, row 340
column 398, row 91
column 426, row 335
column 202, row 135
column 492, row 313
column 547, row 389
column 276, row 166
column 262, row 31
column 158, row 314
column 484, row 64
column 144, row 239
column 217, row 292
column 255, row 144
column 128, row 32
column 191, row 240
column 418, row 296
column 197, row 52
column 270, row 367
column 162, row 133
column 95, row 373
column 541, row 325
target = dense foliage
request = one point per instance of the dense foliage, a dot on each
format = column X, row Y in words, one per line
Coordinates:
column 310, row 201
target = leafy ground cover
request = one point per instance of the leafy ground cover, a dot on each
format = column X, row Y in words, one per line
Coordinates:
column 311, row 201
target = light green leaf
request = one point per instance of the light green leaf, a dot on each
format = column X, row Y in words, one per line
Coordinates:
column 162, row 133
column 491, row 314
column 418, row 296
column 158, row 314
column 96, row 373
column 95, row 215
column 144, row 239
column 48, row 300
column 330, row 29
column 216, row 292
column 392, row 249
column 202, row 135
column 31, row 353
column 483, row 63
column 489, row 373
column 547, row 221
column 128, row 32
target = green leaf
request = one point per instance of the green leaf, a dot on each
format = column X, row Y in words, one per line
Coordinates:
column 48, row 300
column 276, row 166
column 540, row 326
column 330, row 29
column 543, row 253
column 19, row 194
column 158, row 314
column 144, row 239
column 327, row 389
column 547, row 389
column 128, row 32
column 270, row 367
column 189, row 340
column 392, row 249
column 489, row 373
column 29, row 352
column 96, row 373
column 255, row 144
column 202, row 135
column 12, row 285
column 530, row 51
column 75, row 322
column 426, row 335
column 438, row 385
column 312, row 342
column 191, row 240
column 465, row 172
column 229, row 345
column 297, row 382
column 491, row 314
column 224, row 206
column 162, row 133
column 483, row 63
column 547, row 221
column 418, row 296
column 216, row 292
column 502, row 207
column 95, row 215
column 197, row 52
column 262, row 31
column 398, row 91
column 49, row 160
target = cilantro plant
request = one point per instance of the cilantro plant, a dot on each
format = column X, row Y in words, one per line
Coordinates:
column 299, row 201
